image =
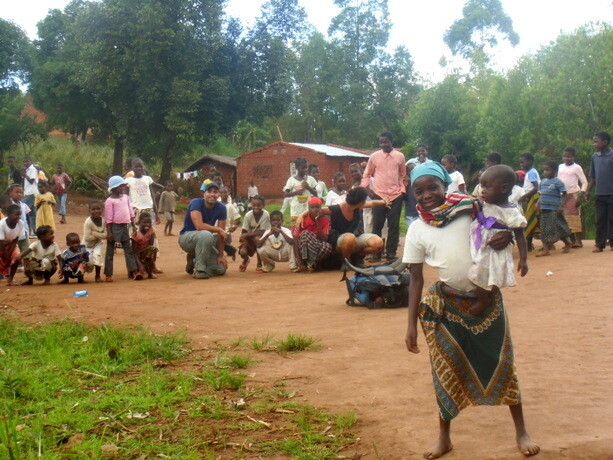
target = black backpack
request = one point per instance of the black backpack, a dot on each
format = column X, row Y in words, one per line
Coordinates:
column 380, row 286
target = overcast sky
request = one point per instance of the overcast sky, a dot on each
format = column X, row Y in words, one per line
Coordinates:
column 418, row 25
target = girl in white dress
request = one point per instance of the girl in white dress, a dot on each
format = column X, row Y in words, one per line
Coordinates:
column 492, row 268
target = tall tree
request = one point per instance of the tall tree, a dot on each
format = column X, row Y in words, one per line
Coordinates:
column 482, row 25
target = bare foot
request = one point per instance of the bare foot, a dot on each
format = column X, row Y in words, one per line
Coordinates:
column 527, row 446
column 151, row 276
column 439, row 449
column 28, row 283
column 12, row 283
column 598, row 250
column 46, row 282
column 566, row 249
column 542, row 254
column 98, row 279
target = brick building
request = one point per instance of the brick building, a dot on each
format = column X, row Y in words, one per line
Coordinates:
column 270, row 167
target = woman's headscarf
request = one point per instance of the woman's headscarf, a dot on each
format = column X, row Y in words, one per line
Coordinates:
column 432, row 168
column 315, row 200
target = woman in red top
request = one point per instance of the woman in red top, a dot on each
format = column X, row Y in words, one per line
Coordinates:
column 312, row 239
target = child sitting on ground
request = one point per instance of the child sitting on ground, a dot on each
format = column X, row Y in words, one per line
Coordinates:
column 11, row 229
column 276, row 245
column 94, row 234
column 119, row 215
column 494, row 269
column 42, row 258
column 336, row 195
column 551, row 207
column 168, row 205
column 143, row 245
column 75, row 259
column 256, row 222
column 44, row 203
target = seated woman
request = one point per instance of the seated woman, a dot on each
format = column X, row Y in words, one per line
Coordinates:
column 346, row 235
column 311, row 245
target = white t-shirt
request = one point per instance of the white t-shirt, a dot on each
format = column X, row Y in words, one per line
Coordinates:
column 277, row 241
column 251, row 225
column 447, row 249
column 8, row 234
column 458, row 179
column 31, row 189
column 231, row 215
column 335, row 198
column 40, row 253
column 515, row 195
column 298, row 203
column 140, row 194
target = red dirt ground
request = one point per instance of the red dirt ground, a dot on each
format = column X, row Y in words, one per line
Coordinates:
column 560, row 324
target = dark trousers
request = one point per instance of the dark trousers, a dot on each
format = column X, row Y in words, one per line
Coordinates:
column 604, row 220
column 379, row 214
column 121, row 234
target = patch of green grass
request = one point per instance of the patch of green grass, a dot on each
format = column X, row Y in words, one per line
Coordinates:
column 261, row 343
column 71, row 390
column 295, row 343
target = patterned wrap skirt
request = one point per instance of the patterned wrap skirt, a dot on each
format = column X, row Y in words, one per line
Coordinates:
column 471, row 355
column 553, row 226
column 572, row 213
column 312, row 249
column 531, row 216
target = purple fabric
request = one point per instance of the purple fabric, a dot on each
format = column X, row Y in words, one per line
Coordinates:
column 487, row 223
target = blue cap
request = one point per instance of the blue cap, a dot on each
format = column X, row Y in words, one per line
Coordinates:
column 205, row 187
column 116, row 181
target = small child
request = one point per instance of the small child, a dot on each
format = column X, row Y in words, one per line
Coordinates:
column 119, row 215
column 139, row 189
column 450, row 163
column 75, row 259
column 5, row 202
column 16, row 194
column 276, row 245
column 551, row 206
column 233, row 220
column 42, row 258
column 168, row 205
column 299, row 188
column 94, row 234
column 493, row 268
column 11, row 229
column 44, row 202
column 312, row 245
column 143, row 245
column 337, row 194
column 322, row 189
column 256, row 222
column 61, row 183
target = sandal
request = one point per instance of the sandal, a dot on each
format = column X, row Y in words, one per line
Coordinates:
column 243, row 267
column 259, row 270
column 138, row 276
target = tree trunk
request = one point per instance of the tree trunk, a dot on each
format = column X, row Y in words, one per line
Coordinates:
column 166, row 168
column 118, row 157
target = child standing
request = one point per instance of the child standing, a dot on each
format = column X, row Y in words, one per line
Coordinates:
column 256, row 222
column 61, row 183
column 276, row 245
column 551, row 206
column 530, row 197
column 168, row 205
column 44, row 202
column 139, row 189
column 119, row 215
column 75, row 259
column 471, row 353
column 43, row 257
column 450, row 163
column 143, row 244
column 299, row 188
column 16, row 194
column 337, row 194
column 94, row 233
column 494, row 269
column 11, row 229
column 233, row 220
column 322, row 189
column 575, row 182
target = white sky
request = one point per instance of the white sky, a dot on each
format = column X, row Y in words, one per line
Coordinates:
column 419, row 25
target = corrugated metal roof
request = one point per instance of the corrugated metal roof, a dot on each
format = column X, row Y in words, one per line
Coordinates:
column 331, row 151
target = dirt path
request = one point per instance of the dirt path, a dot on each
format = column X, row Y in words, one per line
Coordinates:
column 560, row 324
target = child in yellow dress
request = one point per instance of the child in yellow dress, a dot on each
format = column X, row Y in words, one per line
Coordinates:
column 44, row 203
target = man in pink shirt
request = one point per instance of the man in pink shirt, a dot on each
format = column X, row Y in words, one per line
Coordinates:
column 387, row 168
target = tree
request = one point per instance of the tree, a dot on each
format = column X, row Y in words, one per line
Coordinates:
column 14, row 56
column 482, row 25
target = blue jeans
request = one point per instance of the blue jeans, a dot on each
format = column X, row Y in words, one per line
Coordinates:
column 29, row 200
column 61, row 202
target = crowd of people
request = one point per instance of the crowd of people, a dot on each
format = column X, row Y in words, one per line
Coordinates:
column 466, row 238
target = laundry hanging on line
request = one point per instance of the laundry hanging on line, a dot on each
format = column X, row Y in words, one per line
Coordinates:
column 186, row 175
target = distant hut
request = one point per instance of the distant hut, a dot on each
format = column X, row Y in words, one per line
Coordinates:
column 224, row 165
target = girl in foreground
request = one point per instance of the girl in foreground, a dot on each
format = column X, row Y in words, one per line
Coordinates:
column 471, row 355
